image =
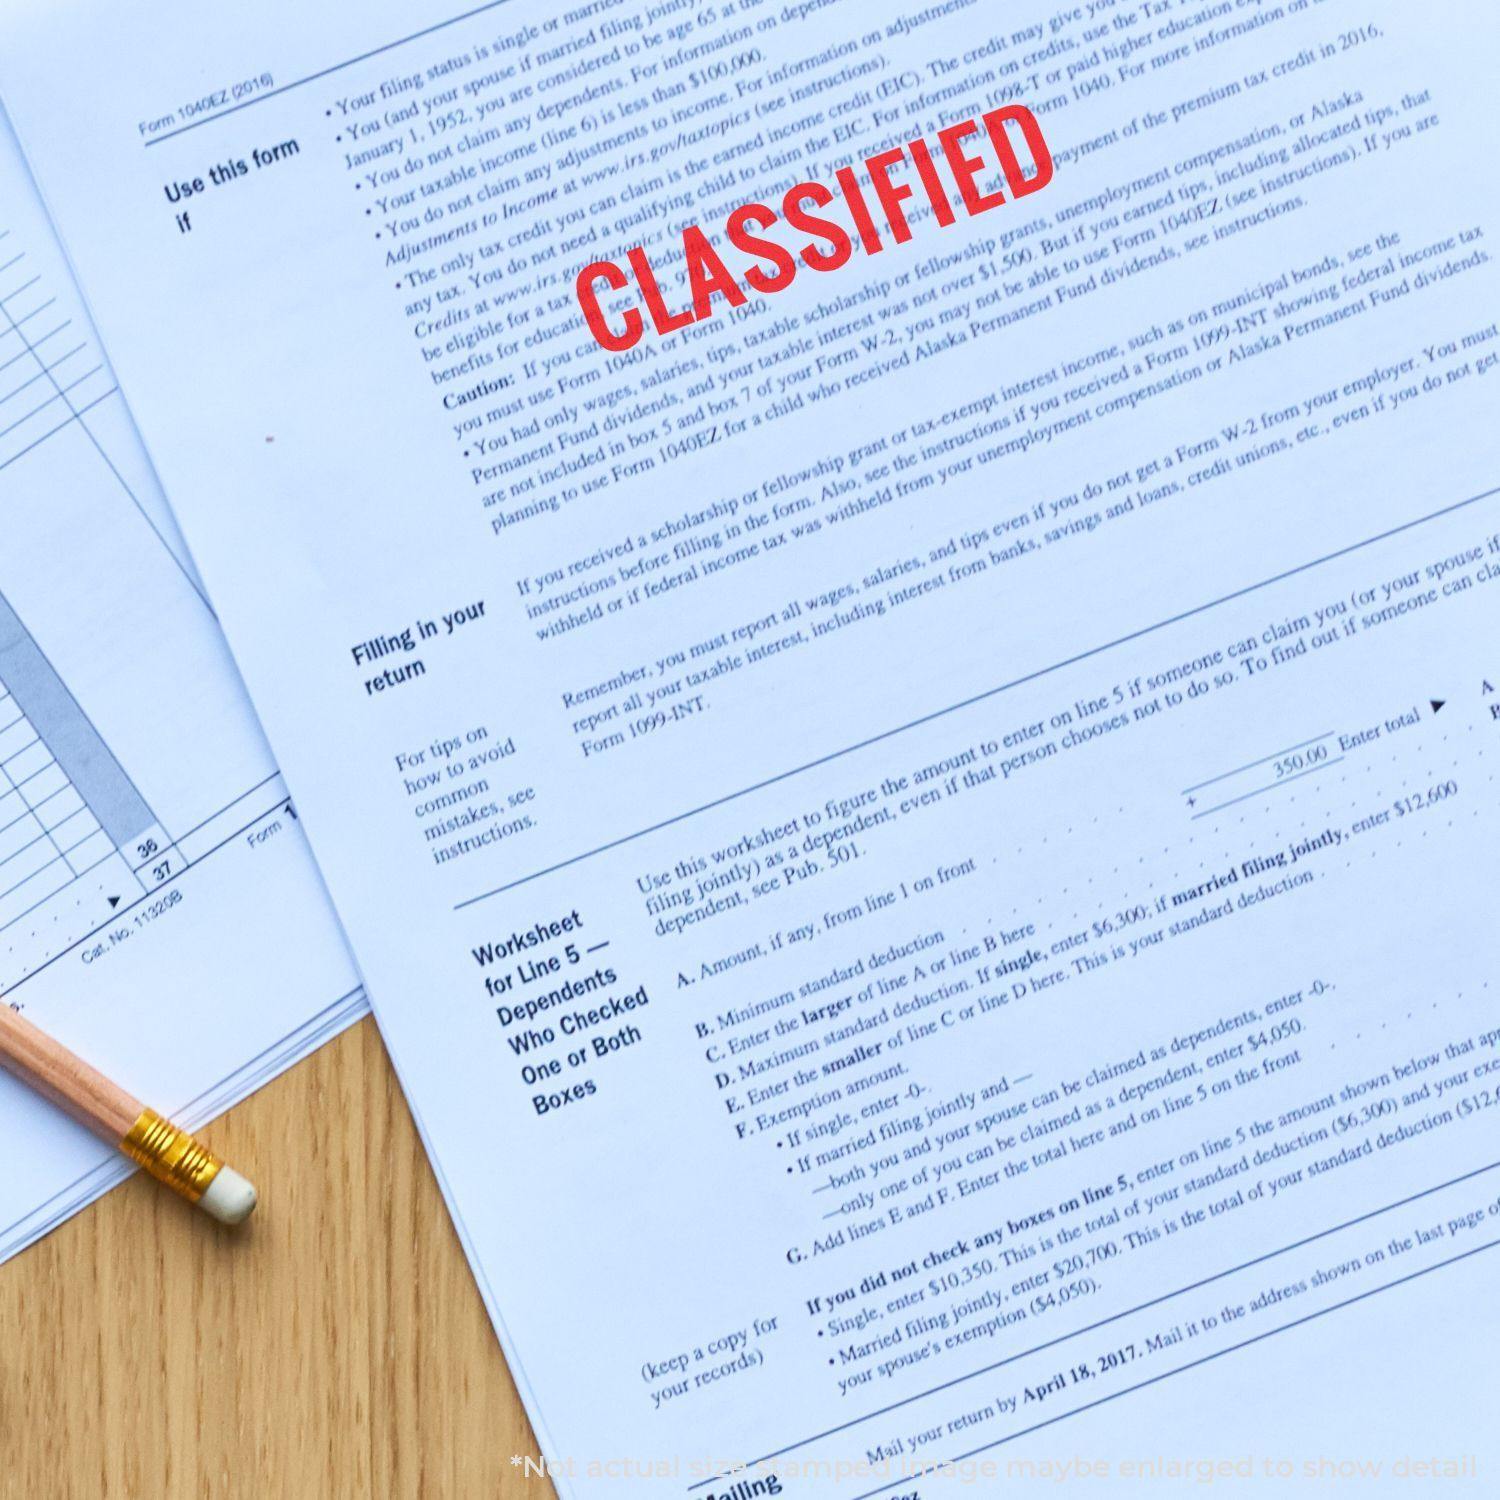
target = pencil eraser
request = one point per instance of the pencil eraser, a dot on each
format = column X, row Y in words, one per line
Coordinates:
column 229, row 1198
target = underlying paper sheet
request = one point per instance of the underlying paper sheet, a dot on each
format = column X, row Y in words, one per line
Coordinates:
column 159, row 910
column 924, row 847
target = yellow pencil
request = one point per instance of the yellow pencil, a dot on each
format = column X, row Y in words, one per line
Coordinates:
column 170, row 1155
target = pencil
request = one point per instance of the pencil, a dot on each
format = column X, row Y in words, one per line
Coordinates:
column 169, row 1154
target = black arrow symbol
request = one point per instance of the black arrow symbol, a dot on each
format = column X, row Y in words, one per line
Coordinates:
column 114, row 901
column 1438, row 704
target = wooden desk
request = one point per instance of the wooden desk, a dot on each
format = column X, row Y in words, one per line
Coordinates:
column 336, row 1347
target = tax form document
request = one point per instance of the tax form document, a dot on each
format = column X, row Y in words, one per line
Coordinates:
column 923, row 841
column 159, row 910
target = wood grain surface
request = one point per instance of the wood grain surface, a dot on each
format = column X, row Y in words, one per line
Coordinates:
column 334, row 1347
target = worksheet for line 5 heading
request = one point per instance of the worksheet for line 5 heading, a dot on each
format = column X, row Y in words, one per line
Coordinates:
column 159, row 910
column 884, row 619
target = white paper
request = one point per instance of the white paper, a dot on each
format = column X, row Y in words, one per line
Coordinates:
column 159, row 911
column 973, row 776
